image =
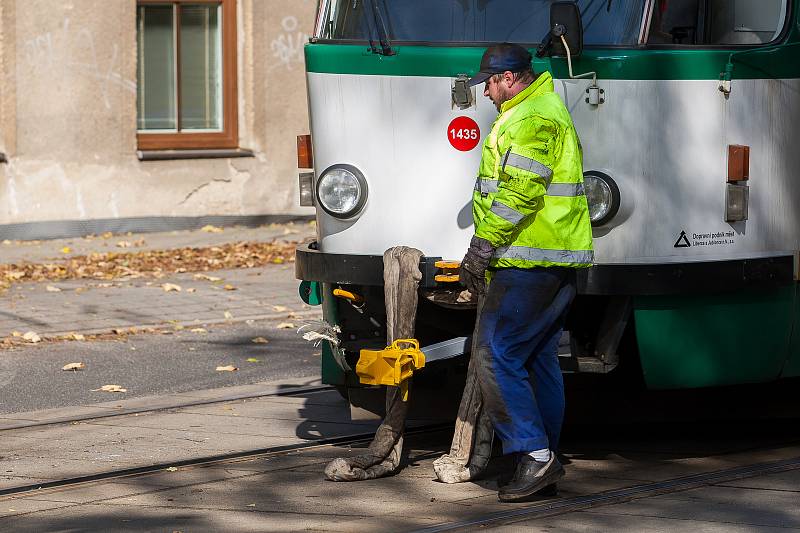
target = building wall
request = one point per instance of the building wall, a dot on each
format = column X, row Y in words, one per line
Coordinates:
column 68, row 116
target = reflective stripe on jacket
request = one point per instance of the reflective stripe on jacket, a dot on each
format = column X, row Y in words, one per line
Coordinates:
column 529, row 200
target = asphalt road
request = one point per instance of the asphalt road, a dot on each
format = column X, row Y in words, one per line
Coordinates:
column 31, row 378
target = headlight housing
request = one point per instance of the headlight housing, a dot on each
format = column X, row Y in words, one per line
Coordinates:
column 342, row 191
column 603, row 197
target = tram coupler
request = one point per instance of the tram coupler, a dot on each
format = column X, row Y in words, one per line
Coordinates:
column 394, row 365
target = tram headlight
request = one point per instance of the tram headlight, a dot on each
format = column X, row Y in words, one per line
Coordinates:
column 602, row 194
column 342, row 191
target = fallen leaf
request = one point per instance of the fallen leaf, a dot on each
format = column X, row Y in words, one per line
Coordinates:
column 229, row 288
column 107, row 235
column 123, row 244
column 260, row 340
column 229, row 368
column 171, row 469
column 280, row 308
column 206, row 277
column 171, row 287
column 198, row 330
column 191, row 289
column 285, row 325
column 74, row 366
column 66, row 250
column 77, row 337
column 211, row 229
column 50, row 288
column 16, row 334
column 32, row 337
column 228, row 315
column 110, row 388
column 134, row 263
column 251, row 505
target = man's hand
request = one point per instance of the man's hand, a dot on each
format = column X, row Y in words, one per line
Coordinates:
column 473, row 268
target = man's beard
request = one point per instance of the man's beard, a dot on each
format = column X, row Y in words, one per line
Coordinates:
column 502, row 97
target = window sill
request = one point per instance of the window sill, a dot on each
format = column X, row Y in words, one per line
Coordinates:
column 170, row 155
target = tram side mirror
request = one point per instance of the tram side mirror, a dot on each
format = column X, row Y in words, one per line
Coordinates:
column 565, row 20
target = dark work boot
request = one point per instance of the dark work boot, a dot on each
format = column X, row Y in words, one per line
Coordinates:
column 532, row 480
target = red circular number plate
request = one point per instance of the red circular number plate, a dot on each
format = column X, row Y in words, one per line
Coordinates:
column 463, row 133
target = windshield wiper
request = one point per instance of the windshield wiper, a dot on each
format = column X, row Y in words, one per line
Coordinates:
column 383, row 36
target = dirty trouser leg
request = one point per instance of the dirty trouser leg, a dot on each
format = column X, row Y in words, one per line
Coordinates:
column 521, row 314
column 472, row 437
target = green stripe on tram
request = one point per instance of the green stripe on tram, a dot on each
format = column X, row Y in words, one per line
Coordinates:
column 772, row 62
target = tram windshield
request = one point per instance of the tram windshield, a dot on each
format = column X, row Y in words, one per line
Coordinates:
column 606, row 22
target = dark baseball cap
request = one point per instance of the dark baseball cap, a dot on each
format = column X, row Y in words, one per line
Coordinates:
column 499, row 58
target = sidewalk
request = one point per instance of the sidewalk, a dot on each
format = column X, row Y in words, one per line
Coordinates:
column 87, row 306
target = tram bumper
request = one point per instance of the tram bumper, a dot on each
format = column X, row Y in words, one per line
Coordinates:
column 348, row 269
column 669, row 316
column 643, row 279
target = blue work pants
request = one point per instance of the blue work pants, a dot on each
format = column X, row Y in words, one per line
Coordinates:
column 518, row 329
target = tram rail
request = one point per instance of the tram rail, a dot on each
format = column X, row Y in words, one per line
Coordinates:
column 47, row 486
column 645, row 490
column 294, row 391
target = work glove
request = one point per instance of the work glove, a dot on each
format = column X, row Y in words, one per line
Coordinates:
column 472, row 272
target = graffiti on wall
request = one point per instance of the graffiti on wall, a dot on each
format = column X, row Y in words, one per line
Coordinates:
column 74, row 50
column 287, row 47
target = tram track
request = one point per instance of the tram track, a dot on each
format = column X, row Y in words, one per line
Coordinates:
column 514, row 515
column 124, row 411
column 645, row 490
column 210, row 460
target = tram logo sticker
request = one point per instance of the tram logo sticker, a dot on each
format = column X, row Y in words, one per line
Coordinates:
column 463, row 134
column 710, row 238
column 682, row 241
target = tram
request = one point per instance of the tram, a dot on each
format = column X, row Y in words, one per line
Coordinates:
column 688, row 113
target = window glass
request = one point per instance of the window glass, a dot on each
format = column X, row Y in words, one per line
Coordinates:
column 524, row 21
column 201, row 68
column 746, row 21
column 717, row 22
column 156, row 85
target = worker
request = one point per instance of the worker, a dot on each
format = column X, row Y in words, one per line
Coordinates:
column 532, row 231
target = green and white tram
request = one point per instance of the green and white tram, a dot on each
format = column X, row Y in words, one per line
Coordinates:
column 689, row 117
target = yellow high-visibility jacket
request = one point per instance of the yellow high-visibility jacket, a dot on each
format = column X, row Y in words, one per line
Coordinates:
column 529, row 200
